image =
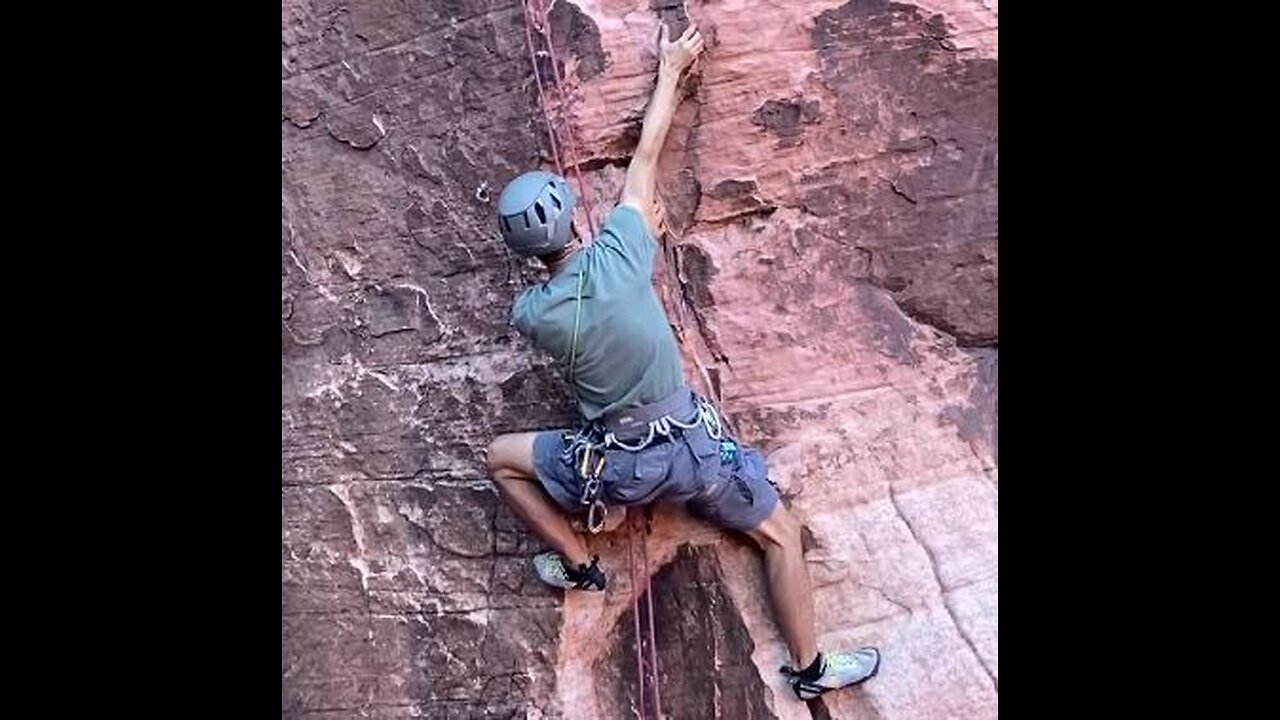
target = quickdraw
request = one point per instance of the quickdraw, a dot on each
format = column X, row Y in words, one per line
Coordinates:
column 590, row 469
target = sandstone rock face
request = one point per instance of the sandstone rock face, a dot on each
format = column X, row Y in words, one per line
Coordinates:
column 831, row 187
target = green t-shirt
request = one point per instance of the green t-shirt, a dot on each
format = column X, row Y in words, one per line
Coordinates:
column 626, row 351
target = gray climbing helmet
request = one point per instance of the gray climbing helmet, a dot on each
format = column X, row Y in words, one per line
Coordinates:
column 535, row 213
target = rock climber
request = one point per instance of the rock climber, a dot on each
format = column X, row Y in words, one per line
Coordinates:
column 646, row 436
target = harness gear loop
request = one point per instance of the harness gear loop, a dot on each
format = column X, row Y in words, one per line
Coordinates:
column 708, row 417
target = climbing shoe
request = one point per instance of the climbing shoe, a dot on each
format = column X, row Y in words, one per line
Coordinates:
column 554, row 571
column 832, row 671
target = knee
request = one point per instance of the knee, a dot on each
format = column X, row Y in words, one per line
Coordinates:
column 496, row 457
column 782, row 531
column 506, row 458
column 790, row 532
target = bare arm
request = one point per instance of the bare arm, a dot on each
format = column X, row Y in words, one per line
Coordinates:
column 640, row 190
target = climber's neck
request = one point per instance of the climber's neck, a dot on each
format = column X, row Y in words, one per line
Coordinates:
column 557, row 260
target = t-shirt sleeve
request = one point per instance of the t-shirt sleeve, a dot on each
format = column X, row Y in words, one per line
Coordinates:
column 626, row 235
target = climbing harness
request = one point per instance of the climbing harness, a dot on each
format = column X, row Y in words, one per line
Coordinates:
column 585, row 449
column 662, row 427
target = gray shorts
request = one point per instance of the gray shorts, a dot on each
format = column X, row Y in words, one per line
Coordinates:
column 728, row 490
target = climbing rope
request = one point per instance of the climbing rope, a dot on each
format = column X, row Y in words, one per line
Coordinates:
column 536, row 17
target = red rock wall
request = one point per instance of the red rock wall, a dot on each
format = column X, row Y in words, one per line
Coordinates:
column 832, row 187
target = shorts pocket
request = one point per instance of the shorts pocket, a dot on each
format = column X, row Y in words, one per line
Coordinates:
column 644, row 484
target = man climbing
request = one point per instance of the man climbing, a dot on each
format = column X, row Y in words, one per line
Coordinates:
column 647, row 437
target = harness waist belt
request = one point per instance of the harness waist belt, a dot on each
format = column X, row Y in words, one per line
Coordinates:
column 628, row 423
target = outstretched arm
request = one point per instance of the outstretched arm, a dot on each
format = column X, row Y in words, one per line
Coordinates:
column 642, row 175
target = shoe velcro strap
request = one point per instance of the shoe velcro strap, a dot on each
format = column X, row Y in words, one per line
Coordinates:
column 589, row 573
column 808, row 687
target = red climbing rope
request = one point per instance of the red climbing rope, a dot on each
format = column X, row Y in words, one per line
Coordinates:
column 535, row 15
column 648, row 596
column 542, row 96
column 647, row 669
column 635, row 611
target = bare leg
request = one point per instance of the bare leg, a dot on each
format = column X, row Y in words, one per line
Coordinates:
column 511, row 462
column 789, row 586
